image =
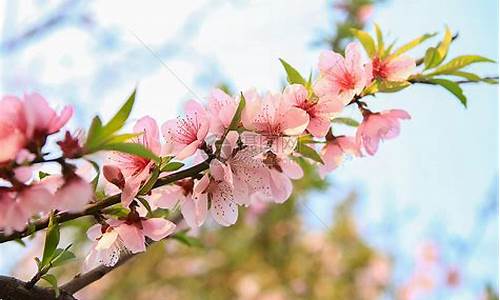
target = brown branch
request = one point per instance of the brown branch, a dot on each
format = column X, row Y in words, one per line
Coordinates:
column 81, row 281
column 425, row 81
column 15, row 289
column 94, row 208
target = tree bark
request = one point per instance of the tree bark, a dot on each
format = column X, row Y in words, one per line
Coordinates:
column 15, row 289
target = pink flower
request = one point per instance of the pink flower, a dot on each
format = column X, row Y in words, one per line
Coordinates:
column 364, row 13
column 27, row 120
column 274, row 118
column 379, row 126
column 41, row 118
column 224, row 208
column 342, row 77
column 188, row 194
column 334, row 152
column 244, row 168
column 393, row 68
column 73, row 195
column 130, row 172
column 320, row 111
column 12, row 141
column 17, row 207
column 110, row 240
column 221, row 108
column 186, row 135
column 281, row 170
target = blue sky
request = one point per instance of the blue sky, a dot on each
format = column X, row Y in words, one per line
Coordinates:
column 429, row 183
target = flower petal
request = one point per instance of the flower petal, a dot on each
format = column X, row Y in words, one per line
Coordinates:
column 157, row 228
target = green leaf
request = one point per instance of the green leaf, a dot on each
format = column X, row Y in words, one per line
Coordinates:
column 309, row 82
column 145, row 203
column 94, row 132
column 146, row 188
column 119, row 119
column 412, row 44
column 101, row 134
column 452, row 87
column 346, row 121
column 380, row 40
column 20, row 242
column 237, row 114
column 189, row 241
column 430, row 58
column 172, row 166
column 293, row 76
column 61, row 256
column 117, row 210
column 120, row 138
column 466, row 75
column 391, row 86
column 366, row 40
column 95, row 165
column 52, row 280
column 459, row 62
column 445, row 44
column 51, row 240
column 309, row 152
column 435, row 56
column 131, row 148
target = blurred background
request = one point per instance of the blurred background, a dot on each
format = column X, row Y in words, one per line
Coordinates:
column 417, row 221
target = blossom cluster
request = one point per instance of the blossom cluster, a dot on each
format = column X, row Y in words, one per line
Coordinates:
column 25, row 125
column 251, row 143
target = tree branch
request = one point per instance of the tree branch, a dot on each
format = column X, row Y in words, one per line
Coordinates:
column 425, row 81
column 81, row 281
column 91, row 209
column 15, row 289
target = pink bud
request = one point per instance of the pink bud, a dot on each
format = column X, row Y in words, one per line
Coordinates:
column 114, row 175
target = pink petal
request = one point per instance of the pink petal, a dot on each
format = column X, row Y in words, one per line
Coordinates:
column 319, row 126
column 223, row 210
column 170, row 196
column 295, row 94
column 240, row 192
column 353, row 57
column 157, row 228
column 114, row 175
column 130, row 191
column 94, row 232
column 291, row 169
column 151, row 134
column 74, row 195
column 59, row 121
column 12, row 141
column 397, row 113
column 296, row 121
column 188, row 150
column 107, row 240
column 400, row 68
column 194, row 210
column 132, row 237
column 201, row 185
column 281, row 187
column 38, row 113
column 329, row 60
